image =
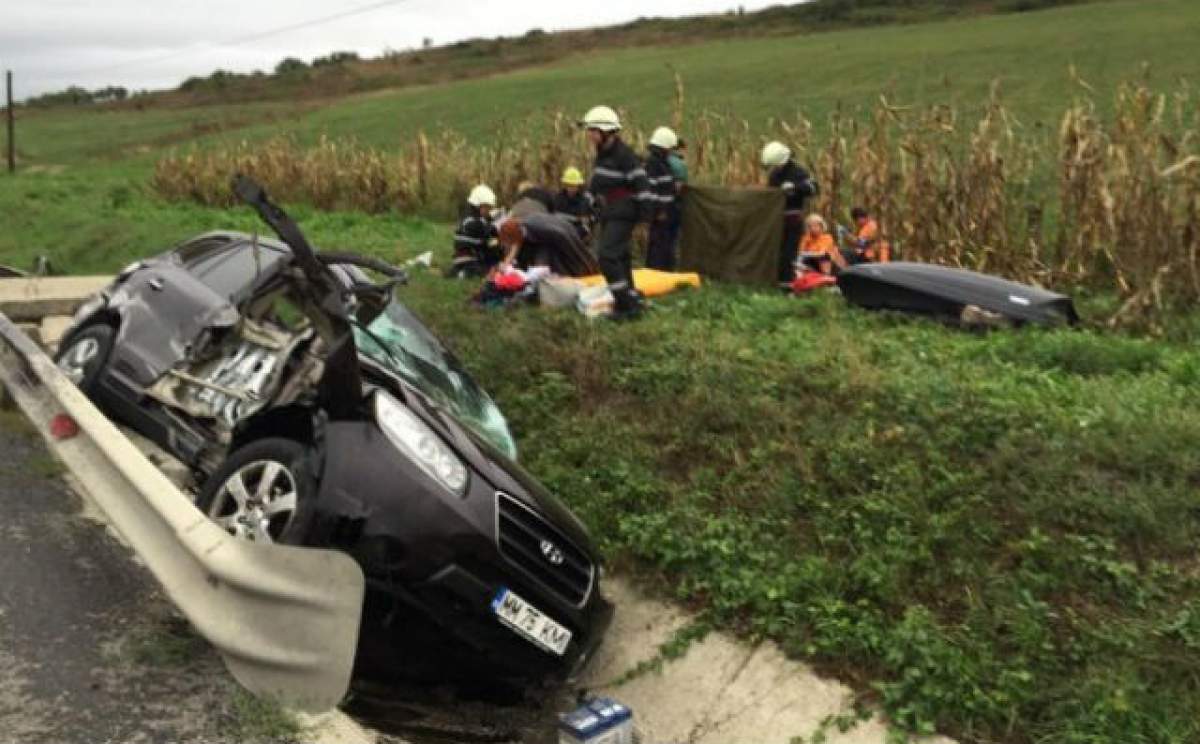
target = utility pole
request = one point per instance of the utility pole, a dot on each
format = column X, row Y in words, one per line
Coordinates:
column 12, row 142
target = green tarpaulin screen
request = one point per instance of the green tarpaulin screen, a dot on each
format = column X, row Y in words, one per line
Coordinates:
column 732, row 234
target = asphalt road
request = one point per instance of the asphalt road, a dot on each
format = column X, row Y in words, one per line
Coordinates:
column 90, row 652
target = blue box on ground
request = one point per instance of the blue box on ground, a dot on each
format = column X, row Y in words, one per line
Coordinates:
column 599, row 721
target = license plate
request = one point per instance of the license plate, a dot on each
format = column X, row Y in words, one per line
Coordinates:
column 530, row 622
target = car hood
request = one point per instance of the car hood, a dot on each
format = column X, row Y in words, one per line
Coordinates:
column 503, row 473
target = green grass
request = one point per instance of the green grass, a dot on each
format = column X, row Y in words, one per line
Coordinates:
column 950, row 62
column 251, row 719
column 993, row 534
column 166, row 642
column 944, row 62
column 96, row 219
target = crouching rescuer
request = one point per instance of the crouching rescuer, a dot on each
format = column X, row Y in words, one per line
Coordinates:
column 797, row 187
column 474, row 254
column 623, row 198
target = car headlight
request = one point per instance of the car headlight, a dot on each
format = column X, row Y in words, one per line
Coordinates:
column 415, row 439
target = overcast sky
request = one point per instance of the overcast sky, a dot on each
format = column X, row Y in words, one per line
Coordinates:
column 50, row 44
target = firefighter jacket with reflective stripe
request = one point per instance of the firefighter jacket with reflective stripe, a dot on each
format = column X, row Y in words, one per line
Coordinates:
column 661, row 178
column 574, row 208
column 619, row 184
column 473, row 237
column 797, row 187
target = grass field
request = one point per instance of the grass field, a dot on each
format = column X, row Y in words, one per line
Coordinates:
column 992, row 535
column 948, row 62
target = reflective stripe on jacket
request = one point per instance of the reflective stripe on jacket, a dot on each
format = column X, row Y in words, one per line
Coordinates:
column 619, row 181
column 661, row 178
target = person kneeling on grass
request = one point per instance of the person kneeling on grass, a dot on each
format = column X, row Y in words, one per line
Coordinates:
column 867, row 245
column 545, row 240
column 818, row 251
column 474, row 254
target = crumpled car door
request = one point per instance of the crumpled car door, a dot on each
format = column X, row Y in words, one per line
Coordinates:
column 167, row 311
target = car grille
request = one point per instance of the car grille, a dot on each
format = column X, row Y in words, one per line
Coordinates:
column 521, row 534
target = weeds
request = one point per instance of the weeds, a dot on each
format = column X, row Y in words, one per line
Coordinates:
column 992, row 537
column 252, row 719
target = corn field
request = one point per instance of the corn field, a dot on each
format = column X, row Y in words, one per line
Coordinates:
column 1106, row 203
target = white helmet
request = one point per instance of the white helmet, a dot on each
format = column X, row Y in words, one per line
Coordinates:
column 482, row 196
column 602, row 118
column 775, row 154
column 665, row 138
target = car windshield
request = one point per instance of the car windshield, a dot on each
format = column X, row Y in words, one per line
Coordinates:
column 399, row 341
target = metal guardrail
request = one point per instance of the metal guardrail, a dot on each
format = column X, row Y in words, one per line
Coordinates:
column 284, row 619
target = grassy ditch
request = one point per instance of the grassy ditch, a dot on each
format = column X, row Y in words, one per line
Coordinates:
column 992, row 535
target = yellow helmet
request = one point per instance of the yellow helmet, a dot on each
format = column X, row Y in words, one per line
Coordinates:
column 572, row 177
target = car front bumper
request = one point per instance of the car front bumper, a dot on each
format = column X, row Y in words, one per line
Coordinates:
column 437, row 554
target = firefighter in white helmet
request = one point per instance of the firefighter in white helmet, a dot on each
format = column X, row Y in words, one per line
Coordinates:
column 475, row 248
column 660, row 249
column 797, row 187
column 623, row 198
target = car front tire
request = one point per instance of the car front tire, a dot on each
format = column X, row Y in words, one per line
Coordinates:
column 83, row 356
column 263, row 492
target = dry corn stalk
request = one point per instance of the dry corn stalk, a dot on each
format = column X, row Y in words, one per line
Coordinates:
column 948, row 188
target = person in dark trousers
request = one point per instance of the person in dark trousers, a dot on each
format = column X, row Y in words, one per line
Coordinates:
column 572, row 203
column 660, row 251
column 474, row 254
column 545, row 240
column 623, row 198
column 797, row 187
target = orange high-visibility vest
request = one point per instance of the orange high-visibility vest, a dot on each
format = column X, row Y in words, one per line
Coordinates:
column 823, row 243
column 877, row 249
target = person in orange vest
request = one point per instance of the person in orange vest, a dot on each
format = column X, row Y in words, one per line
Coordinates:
column 868, row 246
column 818, row 251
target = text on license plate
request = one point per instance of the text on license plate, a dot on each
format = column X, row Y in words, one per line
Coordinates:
column 530, row 622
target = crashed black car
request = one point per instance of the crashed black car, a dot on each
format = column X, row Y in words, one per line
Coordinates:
column 313, row 408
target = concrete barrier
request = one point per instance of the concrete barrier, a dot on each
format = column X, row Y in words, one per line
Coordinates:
column 284, row 619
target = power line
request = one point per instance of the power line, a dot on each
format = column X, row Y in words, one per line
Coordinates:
column 243, row 39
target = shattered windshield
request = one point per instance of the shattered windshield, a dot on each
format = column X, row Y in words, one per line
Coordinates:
column 400, row 342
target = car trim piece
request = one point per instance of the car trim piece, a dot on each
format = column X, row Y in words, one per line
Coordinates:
column 285, row 620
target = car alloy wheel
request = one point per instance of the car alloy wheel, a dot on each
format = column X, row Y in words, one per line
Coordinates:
column 257, row 502
column 75, row 360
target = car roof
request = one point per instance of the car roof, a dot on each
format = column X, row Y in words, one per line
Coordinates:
column 347, row 274
column 233, row 236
